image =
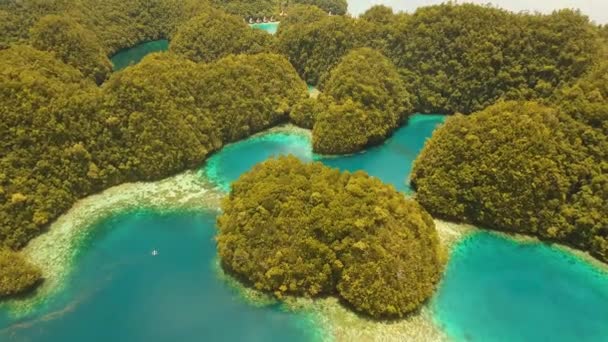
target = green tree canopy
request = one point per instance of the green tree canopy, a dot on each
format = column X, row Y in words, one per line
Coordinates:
column 520, row 167
column 16, row 274
column 305, row 112
column 306, row 229
column 248, row 93
column 587, row 99
column 315, row 48
column 300, row 15
column 73, row 44
column 215, row 34
column 338, row 7
column 371, row 101
column 462, row 58
column 249, row 8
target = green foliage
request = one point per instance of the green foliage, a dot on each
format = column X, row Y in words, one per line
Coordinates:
column 249, row 8
column 587, row 99
column 520, row 167
column 462, row 58
column 73, row 44
column 379, row 14
column 16, row 274
column 149, row 112
column 306, row 229
column 118, row 23
column 247, row 93
column 371, row 101
column 300, row 15
column 338, row 7
column 38, row 169
column 314, row 48
column 215, row 34
column 305, row 112
column 347, row 127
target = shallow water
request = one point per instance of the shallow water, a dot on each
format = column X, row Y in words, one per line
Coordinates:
column 135, row 54
column 391, row 162
column 119, row 291
column 268, row 27
column 496, row 289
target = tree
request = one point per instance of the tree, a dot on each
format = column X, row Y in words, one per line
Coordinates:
column 463, row 58
column 16, row 274
column 371, row 101
column 309, row 230
column 300, row 15
column 249, row 8
column 214, row 34
column 338, row 7
column 73, row 44
column 315, row 48
column 522, row 167
column 587, row 99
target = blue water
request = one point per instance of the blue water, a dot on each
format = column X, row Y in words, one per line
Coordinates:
column 268, row 27
column 119, row 291
column 390, row 162
column 135, row 54
column 496, row 289
column 235, row 159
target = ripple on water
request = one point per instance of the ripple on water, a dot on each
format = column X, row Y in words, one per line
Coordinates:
column 498, row 289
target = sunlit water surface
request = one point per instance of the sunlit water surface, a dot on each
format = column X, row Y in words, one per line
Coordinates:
column 496, row 289
column 145, row 276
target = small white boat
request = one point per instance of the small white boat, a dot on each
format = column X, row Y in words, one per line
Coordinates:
column 154, row 252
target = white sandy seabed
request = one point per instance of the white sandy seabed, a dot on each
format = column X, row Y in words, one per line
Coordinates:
column 55, row 251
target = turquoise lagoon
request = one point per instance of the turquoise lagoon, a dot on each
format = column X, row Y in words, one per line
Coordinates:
column 391, row 162
column 268, row 27
column 494, row 289
column 130, row 56
column 120, row 291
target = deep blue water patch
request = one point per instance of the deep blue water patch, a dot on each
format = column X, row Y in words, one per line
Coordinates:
column 120, row 291
column 391, row 162
column 496, row 289
column 135, row 54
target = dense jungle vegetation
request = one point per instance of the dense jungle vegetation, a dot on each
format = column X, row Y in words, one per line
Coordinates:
column 69, row 128
column 366, row 100
column 523, row 167
column 16, row 274
column 258, row 9
column 306, row 229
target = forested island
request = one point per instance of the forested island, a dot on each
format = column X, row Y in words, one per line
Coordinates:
column 525, row 151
